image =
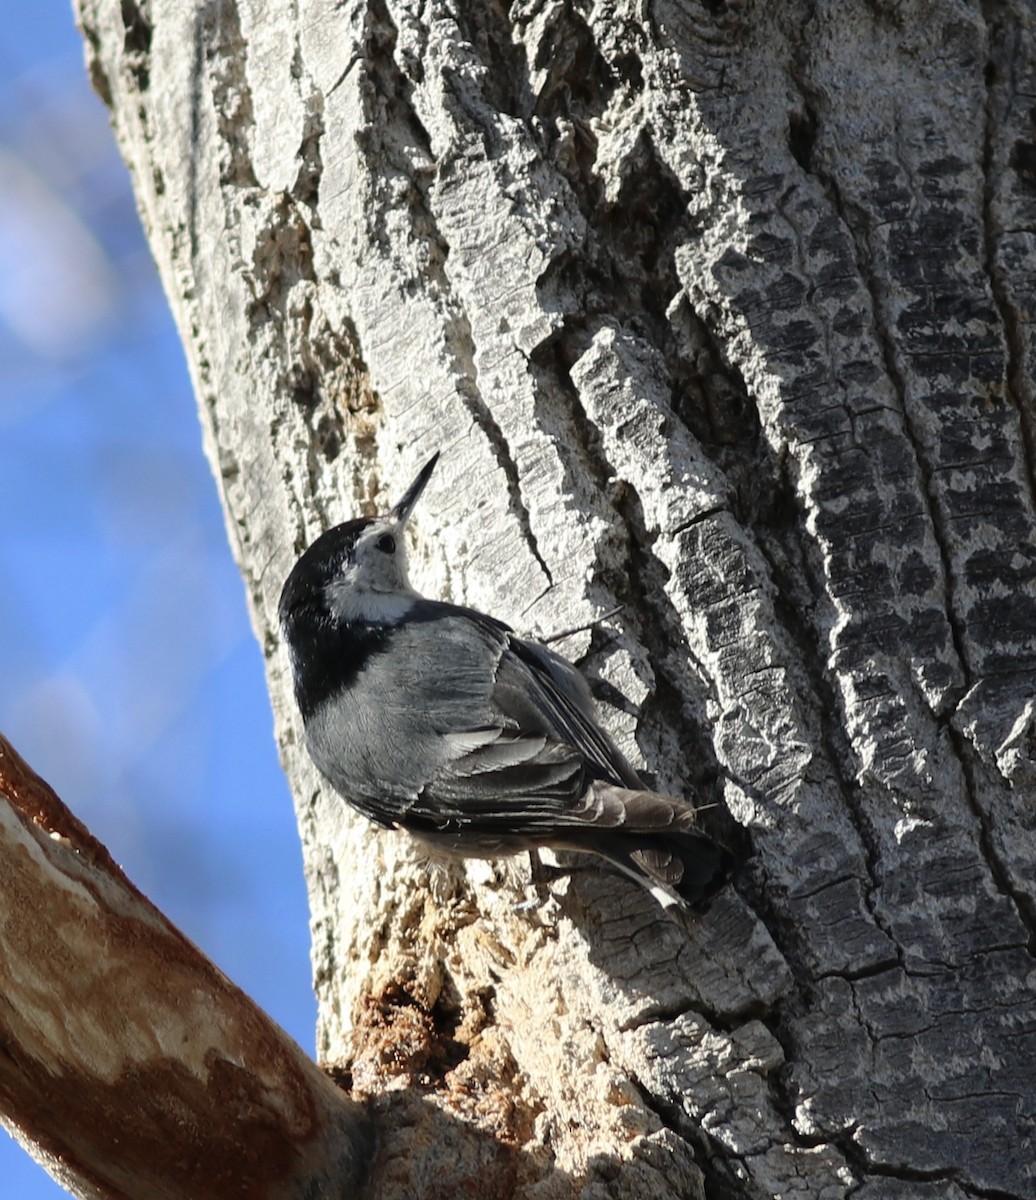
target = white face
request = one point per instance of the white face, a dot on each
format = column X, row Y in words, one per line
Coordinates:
column 373, row 585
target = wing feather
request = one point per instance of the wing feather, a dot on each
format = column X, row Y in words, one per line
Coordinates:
column 539, row 753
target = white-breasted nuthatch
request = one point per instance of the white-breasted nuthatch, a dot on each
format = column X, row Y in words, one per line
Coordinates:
column 440, row 720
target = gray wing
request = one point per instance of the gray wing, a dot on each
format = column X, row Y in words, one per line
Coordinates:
column 530, row 672
column 464, row 725
column 537, row 754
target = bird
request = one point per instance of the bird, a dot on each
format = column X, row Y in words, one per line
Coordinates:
column 440, row 720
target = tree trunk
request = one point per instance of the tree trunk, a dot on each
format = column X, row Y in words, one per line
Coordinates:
column 721, row 312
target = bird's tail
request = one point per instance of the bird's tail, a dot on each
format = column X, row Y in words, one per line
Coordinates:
column 656, row 840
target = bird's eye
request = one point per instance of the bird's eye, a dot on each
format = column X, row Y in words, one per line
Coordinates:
column 387, row 543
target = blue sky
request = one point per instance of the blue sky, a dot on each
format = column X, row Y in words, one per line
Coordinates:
column 129, row 675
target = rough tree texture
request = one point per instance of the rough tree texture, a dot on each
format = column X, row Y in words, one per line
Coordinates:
column 721, row 312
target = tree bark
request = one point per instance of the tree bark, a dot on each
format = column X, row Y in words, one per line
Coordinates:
column 721, row 312
column 129, row 1065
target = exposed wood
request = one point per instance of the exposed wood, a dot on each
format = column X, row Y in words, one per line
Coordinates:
column 128, row 1063
column 721, row 312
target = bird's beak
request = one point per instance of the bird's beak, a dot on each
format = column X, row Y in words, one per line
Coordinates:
column 411, row 496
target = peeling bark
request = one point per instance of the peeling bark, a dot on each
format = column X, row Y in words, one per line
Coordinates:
column 722, row 313
column 127, row 1060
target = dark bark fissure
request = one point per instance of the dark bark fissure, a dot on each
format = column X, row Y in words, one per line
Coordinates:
column 1023, row 904
column 1007, row 45
column 719, row 1168
column 403, row 125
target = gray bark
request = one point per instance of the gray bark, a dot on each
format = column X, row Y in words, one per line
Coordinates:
column 721, row 312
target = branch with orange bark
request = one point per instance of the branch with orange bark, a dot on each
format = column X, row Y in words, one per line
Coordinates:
column 130, row 1066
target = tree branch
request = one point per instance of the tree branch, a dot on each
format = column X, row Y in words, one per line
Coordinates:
column 130, row 1065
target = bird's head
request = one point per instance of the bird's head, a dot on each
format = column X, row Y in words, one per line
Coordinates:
column 355, row 572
